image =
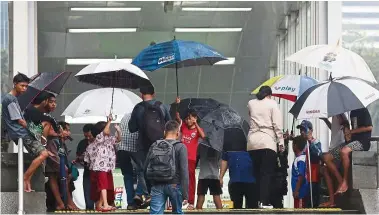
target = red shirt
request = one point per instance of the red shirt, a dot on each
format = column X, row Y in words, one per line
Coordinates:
column 190, row 138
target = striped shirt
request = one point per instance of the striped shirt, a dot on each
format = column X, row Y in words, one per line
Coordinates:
column 128, row 140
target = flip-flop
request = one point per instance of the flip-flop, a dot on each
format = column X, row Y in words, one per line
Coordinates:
column 327, row 205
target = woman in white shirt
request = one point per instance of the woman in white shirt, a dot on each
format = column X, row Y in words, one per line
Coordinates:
column 266, row 132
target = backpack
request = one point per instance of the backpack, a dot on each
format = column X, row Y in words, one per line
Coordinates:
column 161, row 166
column 154, row 123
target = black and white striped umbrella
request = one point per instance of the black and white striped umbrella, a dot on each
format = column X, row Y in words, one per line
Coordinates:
column 334, row 97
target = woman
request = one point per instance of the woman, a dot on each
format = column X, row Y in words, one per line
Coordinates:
column 264, row 136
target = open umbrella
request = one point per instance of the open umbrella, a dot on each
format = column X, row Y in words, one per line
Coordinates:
column 52, row 82
column 97, row 103
column 176, row 54
column 288, row 87
column 337, row 96
column 335, row 59
column 113, row 74
column 216, row 119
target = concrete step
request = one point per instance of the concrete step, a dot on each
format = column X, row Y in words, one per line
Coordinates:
column 228, row 211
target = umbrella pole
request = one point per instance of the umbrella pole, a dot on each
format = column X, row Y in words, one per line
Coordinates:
column 310, row 174
column 177, row 79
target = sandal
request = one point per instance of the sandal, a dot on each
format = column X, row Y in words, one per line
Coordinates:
column 190, row 207
column 327, row 205
column 103, row 209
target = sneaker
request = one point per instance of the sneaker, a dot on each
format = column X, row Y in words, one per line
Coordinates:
column 262, row 206
column 131, row 207
column 147, row 200
column 138, row 200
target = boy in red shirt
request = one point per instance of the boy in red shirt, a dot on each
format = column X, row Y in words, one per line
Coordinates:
column 191, row 132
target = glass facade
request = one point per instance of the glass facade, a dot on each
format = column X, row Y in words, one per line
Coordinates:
column 360, row 33
column 6, row 75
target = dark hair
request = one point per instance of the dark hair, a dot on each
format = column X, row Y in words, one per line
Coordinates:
column 42, row 97
column 147, row 90
column 87, row 128
column 98, row 128
column 192, row 112
column 300, row 142
column 20, row 78
column 63, row 125
column 264, row 91
column 171, row 126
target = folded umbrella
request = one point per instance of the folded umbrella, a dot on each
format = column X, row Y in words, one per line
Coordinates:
column 52, row 82
column 176, row 54
column 288, row 87
column 334, row 97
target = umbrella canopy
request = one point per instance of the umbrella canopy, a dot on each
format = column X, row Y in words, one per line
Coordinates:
column 113, row 74
column 340, row 61
column 97, row 103
column 52, row 82
column 176, row 54
column 216, row 119
column 288, row 87
column 334, row 97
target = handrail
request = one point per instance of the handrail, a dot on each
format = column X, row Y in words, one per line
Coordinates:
column 20, row 177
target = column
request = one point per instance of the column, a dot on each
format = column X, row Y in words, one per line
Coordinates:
column 25, row 43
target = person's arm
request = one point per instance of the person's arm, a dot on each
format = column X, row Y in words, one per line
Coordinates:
column 361, row 130
column 224, row 167
column 107, row 129
column 118, row 133
column 133, row 122
column 277, row 123
column 183, row 163
column 15, row 114
column 327, row 122
column 200, row 131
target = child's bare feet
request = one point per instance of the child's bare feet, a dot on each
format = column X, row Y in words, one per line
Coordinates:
column 27, row 185
column 60, row 207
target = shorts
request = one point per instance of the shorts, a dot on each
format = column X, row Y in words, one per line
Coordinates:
column 33, row 146
column 213, row 185
column 101, row 181
column 354, row 146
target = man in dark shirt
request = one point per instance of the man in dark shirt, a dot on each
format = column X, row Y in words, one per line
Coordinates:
column 82, row 146
column 357, row 139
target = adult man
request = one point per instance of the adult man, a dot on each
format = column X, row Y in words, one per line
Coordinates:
column 81, row 148
column 148, row 119
column 128, row 151
column 357, row 139
column 56, row 145
column 175, row 184
column 17, row 127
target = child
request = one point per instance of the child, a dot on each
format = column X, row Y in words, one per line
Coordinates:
column 17, row 127
column 299, row 184
column 315, row 155
column 103, row 161
column 191, row 132
column 209, row 176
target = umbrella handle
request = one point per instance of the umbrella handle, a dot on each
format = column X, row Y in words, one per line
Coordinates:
column 177, row 79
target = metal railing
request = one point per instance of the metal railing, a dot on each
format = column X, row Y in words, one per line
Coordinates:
column 20, row 177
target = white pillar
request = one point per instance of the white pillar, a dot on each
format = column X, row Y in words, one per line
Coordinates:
column 25, row 43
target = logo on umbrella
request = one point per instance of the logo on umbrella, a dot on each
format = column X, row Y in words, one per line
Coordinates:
column 166, row 59
column 312, row 111
column 87, row 111
column 286, row 88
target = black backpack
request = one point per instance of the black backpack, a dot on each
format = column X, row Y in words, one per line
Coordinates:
column 161, row 164
column 154, row 123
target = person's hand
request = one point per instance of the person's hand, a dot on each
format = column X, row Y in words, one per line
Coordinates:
column 177, row 100
column 296, row 194
column 117, row 127
column 221, row 182
column 109, row 118
column 185, row 202
column 73, row 162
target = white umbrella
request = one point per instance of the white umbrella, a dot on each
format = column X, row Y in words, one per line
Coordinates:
column 335, row 59
column 113, row 74
column 334, row 97
column 98, row 103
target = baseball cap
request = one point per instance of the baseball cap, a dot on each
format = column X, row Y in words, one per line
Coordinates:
column 305, row 124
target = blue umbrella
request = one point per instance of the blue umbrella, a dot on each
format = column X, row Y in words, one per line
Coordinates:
column 176, row 54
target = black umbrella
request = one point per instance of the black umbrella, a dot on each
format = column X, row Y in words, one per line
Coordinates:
column 218, row 120
column 52, row 82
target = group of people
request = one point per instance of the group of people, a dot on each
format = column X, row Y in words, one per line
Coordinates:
column 163, row 151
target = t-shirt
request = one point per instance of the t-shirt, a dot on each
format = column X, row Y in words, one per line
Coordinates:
column 209, row 163
column 190, row 138
column 11, row 113
column 361, row 118
column 32, row 114
column 315, row 158
column 299, row 169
